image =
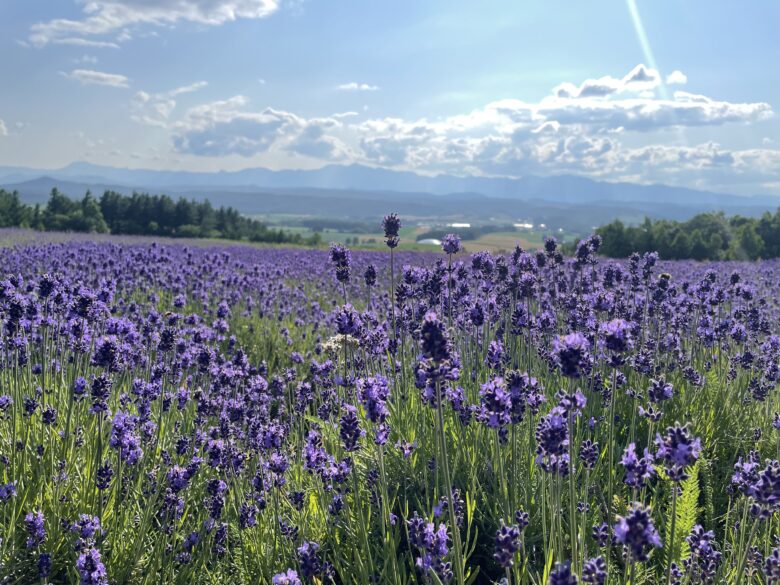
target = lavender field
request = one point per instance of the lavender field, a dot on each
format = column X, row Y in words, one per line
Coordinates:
column 176, row 413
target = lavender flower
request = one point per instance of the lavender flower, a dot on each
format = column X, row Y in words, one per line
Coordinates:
column 659, row 391
column 36, row 530
column 91, row 569
column 309, row 559
column 124, row 439
column 288, row 577
column 432, row 546
column 7, row 491
column 617, row 335
column 87, row 528
column 704, row 560
column 100, row 391
column 348, row 321
column 761, row 485
column 373, row 393
column 594, row 571
column 677, row 449
column 507, row 543
column 572, row 354
column 637, row 532
column 451, row 244
column 589, row 453
column 496, row 404
column 391, row 225
column 772, row 567
column 562, row 575
column 552, row 442
column 342, row 259
column 433, row 339
column 370, row 275
column 638, row 471
column 522, row 519
column 350, row 431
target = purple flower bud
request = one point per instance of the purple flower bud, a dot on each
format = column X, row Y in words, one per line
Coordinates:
column 637, row 532
column 451, row 244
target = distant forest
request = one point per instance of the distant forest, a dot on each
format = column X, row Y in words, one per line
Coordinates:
column 140, row 214
column 707, row 236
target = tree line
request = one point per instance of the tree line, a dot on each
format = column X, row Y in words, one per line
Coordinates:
column 140, row 214
column 707, row 236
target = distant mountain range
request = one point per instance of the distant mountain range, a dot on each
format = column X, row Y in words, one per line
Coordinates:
column 356, row 191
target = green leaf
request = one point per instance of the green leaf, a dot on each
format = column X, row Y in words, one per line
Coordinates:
column 687, row 513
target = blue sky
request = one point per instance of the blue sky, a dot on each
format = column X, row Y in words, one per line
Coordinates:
column 684, row 93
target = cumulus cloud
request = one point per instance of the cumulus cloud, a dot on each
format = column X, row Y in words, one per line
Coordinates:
column 225, row 127
column 355, row 86
column 222, row 128
column 314, row 141
column 103, row 18
column 590, row 128
column 3, row 128
column 676, row 77
column 647, row 114
column 155, row 109
column 90, row 77
column 639, row 79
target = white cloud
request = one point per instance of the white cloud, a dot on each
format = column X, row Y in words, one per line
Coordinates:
column 188, row 88
column 90, row 77
column 224, row 127
column 3, row 129
column 314, row 142
column 156, row 109
column 647, row 114
column 610, row 128
column 79, row 42
column 355, row 86
column 640, row 79
column 676, row 77
column 108, row 17
column 221, row 128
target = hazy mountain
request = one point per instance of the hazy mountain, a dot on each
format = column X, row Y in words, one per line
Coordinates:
column 37, row 190
column 573, row 203
column 565, row 188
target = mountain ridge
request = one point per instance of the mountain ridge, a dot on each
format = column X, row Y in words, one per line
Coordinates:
column 559, row 188
column 368, row 205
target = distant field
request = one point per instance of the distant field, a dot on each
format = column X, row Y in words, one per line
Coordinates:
column 494, row 242
column 374, row 240
column 505, row 241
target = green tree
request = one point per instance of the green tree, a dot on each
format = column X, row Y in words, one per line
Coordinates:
column 616, row 242
column 92, row 216
column 750, row 243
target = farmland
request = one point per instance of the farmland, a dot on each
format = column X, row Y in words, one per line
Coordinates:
column 196, row 412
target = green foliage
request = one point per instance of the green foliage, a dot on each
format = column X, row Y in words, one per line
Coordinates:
column 12, row 211
column 707, row 491
column 687, row 512
column 707, row 236
column 140, row 214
